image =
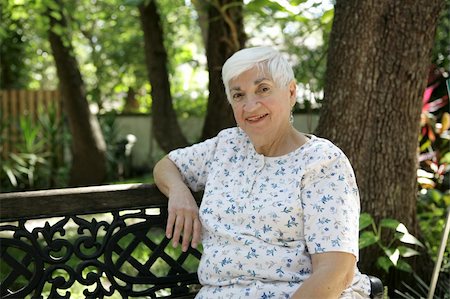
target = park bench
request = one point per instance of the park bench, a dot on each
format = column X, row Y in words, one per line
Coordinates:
column 104, row 241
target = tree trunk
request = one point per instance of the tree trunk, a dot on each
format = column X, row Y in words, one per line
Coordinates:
column 164, row 120
column 88, row 145
column 201, row 7
column 225, row 37
column 378, row 61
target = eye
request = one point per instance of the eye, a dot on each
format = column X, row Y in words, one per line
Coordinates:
column 264, row 89
column 237, row 96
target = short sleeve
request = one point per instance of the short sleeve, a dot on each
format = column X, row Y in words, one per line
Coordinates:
column 194, row 162
column 330, row 201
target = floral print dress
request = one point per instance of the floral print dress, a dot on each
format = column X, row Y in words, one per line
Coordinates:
column 263, row 217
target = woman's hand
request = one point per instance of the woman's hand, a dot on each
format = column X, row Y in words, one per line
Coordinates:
column 183, row 218
column 182, row 208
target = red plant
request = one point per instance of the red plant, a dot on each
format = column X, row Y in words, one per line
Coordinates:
column 434, row 137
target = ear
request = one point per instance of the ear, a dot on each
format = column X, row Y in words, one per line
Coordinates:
column 292, row 93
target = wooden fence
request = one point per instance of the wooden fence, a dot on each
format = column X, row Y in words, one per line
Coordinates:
column 31, row 127
column 16, row 104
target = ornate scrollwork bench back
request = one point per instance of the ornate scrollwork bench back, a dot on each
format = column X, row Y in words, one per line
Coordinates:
column 91, row 242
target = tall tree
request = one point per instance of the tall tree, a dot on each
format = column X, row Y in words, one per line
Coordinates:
column 164, row 121
column 88, row 145
column 225, row 36
column 378, row 59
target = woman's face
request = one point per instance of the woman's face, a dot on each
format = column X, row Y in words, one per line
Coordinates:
column 260, row 107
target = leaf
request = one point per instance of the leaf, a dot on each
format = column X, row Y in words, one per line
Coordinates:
column 52, row 5
column 133, row 2
column 366, row 239
column 384, row 263
column 58, row 30
column 445, row 122
column 18, row 159
column 394, row 256
column 428, row 91
column 446, row 199
column 389, row 223
column 407, row 237
column 327, row 17
column 11, row 176
column 410, row 239
column 407, row 252
column 402, row 228
column 435, row 195
column 445, row 159
column 404, row 266
column 56, row 15
column 425, row 145
column 426, row 183
column 21, row 169
column 365, row 219
column 424, row 174
column 296, row 2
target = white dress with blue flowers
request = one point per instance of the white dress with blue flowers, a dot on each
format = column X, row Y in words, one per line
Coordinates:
column 262, row 217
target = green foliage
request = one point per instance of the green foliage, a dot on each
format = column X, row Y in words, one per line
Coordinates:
column 441, row 48
column 397, row 248
column 434, row 173
column 186, row 106
column 431, row 211
column 300, row 28
column 28, row 55
column 24, row 167
column 420, row 289
column 108, row 45
column 110, row 134
column 113, row 62
column 14, row 73
column 33, row 162
column 187, row 63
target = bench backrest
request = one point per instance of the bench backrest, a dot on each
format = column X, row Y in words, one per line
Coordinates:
column 91, row 242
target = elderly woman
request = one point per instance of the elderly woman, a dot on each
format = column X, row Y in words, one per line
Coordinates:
column 279, row 215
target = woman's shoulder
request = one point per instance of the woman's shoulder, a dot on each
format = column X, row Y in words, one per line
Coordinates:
column 232, row 135
column 230, row 132
column 323, row 149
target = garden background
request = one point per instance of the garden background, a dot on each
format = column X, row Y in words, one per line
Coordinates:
column 123, row 82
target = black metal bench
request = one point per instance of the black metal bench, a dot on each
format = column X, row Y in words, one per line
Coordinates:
column 122, row 251
column 91, row 242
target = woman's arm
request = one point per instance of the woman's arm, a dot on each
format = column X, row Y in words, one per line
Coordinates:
column 332, row 274
column 182, row 208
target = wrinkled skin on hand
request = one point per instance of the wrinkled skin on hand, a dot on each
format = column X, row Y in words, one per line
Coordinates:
column 183, row 219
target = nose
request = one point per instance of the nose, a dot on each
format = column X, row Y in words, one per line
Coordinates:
column 251, row 103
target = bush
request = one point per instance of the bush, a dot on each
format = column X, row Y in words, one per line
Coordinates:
column 36, row 159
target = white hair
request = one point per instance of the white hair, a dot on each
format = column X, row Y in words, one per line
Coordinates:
column 266, row 59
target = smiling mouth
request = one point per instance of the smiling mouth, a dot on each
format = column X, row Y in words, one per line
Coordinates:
column 256, row 118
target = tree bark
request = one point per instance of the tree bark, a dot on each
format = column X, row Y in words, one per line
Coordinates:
column 225, row 36
column 201, row 7
column 88, row 146
column 378, row 59
column 165, row 125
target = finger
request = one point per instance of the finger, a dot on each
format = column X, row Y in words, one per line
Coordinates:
column 179, row 222
column 197, row 233
column 170, row 223
column 187, row 231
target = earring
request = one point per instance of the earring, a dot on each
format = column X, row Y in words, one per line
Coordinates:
column 291, row 118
